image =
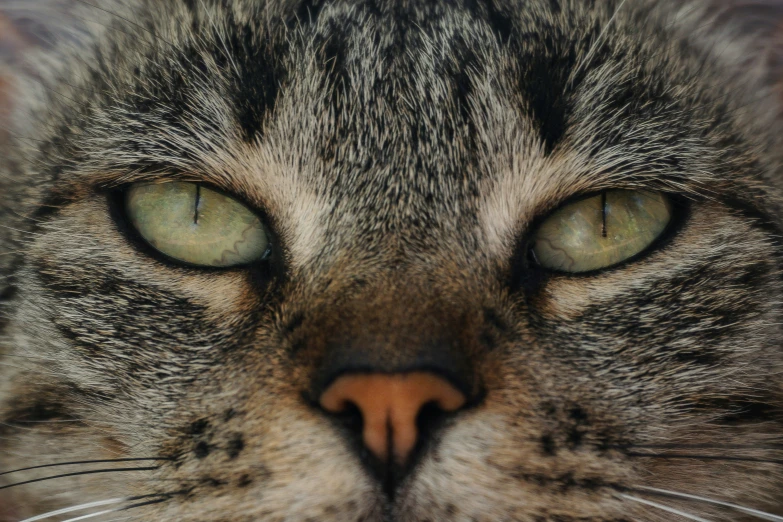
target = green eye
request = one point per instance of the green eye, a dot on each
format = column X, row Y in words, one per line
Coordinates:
column 196, row 225
column 601, row 231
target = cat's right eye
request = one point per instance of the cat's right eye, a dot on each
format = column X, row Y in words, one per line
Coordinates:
column 601, row 231
column 193, row 224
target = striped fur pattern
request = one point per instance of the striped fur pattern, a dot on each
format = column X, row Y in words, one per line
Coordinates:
column 401, row 152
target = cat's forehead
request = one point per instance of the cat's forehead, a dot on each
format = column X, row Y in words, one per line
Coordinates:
column 414, row 119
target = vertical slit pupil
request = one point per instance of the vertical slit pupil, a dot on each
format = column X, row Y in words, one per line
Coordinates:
column 603, row 214
column 198, row 200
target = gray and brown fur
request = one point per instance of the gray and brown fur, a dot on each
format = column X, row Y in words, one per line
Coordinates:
column 401, row 153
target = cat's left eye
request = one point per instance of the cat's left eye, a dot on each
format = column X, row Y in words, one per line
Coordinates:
column 193, row 224
column 601, row 231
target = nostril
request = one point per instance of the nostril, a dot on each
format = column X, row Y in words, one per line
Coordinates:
column 349, row 416
column 430, row 419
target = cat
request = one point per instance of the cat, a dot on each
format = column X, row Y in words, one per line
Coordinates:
column 392, row 261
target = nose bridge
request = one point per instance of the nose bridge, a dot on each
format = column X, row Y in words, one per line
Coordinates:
column 389, row 406
column 386, row 330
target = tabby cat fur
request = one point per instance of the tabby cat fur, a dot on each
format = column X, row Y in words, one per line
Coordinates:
column 401, row 152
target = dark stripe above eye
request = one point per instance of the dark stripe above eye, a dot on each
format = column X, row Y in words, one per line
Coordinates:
column 260, row 74
column 248, row 57
column 544, row 84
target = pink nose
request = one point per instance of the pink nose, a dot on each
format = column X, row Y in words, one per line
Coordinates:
column 389, row 404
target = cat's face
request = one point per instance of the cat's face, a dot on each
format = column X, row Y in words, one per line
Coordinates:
column 403, row 160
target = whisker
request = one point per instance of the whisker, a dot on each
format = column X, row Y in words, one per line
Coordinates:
column 705, row 457
column 107, row 511
column 99, row 503
column 77, row 462
column 700, row 446
column 148, row 503
column 76, row 474
column 165, row 497
column 742, row 509
column 92, row 515
column 662, row 507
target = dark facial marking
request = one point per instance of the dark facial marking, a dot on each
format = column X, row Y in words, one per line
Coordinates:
column 202, row 450
column 198, row 427
column 235, row 446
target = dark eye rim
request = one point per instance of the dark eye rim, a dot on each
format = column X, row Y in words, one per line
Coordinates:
column 118, row 210
column 681, row 209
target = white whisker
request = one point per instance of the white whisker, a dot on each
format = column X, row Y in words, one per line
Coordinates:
column 92, row 515
column 662, row 507
column 748, row 511
column 71, row 509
